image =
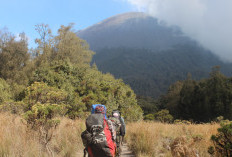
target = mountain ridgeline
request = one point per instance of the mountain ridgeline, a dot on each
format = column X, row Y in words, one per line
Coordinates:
column 133, row 30
column 147, row 54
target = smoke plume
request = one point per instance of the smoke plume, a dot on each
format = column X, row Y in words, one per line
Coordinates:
column 207, row 21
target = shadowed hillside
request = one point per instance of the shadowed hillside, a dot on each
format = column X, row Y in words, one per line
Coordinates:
column 147, row 54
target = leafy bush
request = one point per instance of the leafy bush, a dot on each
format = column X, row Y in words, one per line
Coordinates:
column 44, row 103
column 149, row 117
column 219, row 119
column 163, row 116
column 222, row 141
column 4, row 91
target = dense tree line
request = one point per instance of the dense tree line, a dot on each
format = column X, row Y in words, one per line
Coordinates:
column 58, row 74
column 200, row 101
column 150, row 72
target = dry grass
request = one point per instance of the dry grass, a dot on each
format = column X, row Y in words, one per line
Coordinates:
column 150, row 139
column 147, row 139
column 16, row 140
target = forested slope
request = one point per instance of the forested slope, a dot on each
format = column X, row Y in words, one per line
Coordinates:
column 148, row 54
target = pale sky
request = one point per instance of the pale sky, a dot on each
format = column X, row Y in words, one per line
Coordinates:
column 22, row 15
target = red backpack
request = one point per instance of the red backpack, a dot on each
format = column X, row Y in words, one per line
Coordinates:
column 97, row 138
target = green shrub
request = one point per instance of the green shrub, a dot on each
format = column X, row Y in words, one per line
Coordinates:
column 5, row 93
column 222, row 141
column 219, row 119
column 163, row 116
column 149, row 117
column 44, row 103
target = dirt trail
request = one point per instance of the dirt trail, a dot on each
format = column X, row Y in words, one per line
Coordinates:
column 126, row 152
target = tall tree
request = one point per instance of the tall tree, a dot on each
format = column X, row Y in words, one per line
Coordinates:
column 14, row 57
column 65, row 46
column 68, row 45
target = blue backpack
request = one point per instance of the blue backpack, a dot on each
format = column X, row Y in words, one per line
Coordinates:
column 95, row 105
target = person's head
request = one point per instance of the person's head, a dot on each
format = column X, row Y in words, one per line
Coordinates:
column 100, row 109
column 115, row 113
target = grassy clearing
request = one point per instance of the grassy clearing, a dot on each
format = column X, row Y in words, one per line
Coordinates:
column 150, row 139
column 146, row 139
column 17, row 140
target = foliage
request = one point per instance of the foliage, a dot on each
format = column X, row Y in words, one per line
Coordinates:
column 14, row 58
column 150, row 73
column 163, row 116
column 68, row 45
column 149, row 117
column 149, row 105
column 86, row 86
column 40, row 92
column 15, row 64
column 44, row 103
column 222, row 141
column 41, row 115
column 200, row 101
column 63, row 62
column 59, row 73
column 5, row 92
column 65, row 46
column 219, row 119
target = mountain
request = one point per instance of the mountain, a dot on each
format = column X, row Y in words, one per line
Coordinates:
column 134, row 30
column 147, row 54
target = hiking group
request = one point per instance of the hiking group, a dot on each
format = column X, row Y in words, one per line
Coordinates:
column 104, row 135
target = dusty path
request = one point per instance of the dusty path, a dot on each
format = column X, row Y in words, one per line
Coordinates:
column 126, row 152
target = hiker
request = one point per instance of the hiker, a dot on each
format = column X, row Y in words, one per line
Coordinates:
column 123, row 125
column 120, row 128
column 99, row 136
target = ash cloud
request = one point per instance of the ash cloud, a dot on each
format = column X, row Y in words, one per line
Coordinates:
column 207, row 21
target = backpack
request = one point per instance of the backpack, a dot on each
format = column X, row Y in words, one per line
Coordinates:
column 122, row 122
column 97, row 137
column 117, row 124
column 94, row 107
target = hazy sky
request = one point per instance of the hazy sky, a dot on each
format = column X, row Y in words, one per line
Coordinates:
column 207, row 21
column 22, row 15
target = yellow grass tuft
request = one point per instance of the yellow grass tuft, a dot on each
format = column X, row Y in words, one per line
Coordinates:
column 17, row 140
column 152, row 139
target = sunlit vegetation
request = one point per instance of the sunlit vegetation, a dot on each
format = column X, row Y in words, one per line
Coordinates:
column 152, row 139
